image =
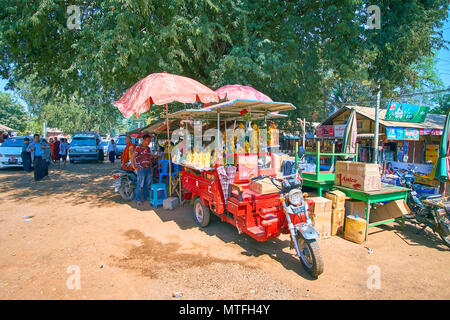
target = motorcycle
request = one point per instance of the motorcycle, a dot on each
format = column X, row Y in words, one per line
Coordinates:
column 302, row 233
column 436, row 215
column 125, row 183
column 413, row 198
column 430, row 211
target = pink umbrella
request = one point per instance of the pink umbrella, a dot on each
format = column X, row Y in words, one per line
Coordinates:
column 236, row 91
column 159, row 89
column 162, row 88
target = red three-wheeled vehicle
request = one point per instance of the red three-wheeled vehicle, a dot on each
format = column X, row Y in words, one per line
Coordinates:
column 224, row 188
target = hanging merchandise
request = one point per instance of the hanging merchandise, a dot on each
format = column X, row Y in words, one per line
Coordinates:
column 272, row 134
column 254, row 139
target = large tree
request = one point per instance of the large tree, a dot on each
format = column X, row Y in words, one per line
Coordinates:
column 295, row 51
column 12, row 113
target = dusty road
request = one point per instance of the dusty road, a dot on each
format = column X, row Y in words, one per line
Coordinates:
column 79, row 223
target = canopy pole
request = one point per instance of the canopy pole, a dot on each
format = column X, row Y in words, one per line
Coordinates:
column 377, row 124
column 218, row 137
column 304, row 133
column 168, row 150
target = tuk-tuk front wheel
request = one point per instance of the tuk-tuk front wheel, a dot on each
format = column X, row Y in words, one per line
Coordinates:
column 202, row 214
column 310, row 256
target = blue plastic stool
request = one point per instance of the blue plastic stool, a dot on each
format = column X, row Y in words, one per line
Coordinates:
column 163, row 169
column 158, row 192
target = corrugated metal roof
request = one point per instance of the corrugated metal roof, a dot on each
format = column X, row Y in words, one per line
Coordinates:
column 230, row 110
column 432, row 121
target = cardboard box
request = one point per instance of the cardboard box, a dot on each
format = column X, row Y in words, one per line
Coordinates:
column 337, row 198
column 337, row 221
column 358, row 175
column 322, row 223
column 392, row 209
column 355, row 207
column 263, row 187
column 320, row 204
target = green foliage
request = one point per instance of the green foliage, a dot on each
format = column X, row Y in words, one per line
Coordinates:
column 12, row 114
column 312, row 53
column 442, row 105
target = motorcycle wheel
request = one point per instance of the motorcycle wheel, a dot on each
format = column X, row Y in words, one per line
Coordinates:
column 444, row 232
column 126, row 192
column 310, row 256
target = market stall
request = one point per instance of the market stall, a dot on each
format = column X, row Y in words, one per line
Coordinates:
column 323, row 179
column 226, row 147
column 386, row 193
column 234, row 176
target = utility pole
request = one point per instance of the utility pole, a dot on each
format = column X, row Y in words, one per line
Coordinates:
column 377, row 125
column 303, row 126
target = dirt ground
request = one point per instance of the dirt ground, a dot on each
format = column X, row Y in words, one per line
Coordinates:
column 77, row 222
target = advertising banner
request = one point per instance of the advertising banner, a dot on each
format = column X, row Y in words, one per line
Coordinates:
column 394, row 133
column 411, row 134
column 325, row 131
column 406, row 112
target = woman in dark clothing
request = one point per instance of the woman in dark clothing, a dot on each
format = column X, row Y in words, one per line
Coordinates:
column 26, row 156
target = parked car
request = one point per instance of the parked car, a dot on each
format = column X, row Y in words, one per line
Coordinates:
column 83, row 147
column 121, row 144
column 10, row 152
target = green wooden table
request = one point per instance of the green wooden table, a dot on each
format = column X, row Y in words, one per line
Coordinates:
column 388, row 192
column 320, row 185
column 324, row 180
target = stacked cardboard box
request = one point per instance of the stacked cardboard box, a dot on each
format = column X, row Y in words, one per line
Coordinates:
column 338, row 212
column 320, row 214
column 358, row 175
column 355, row 207
column 392, row 209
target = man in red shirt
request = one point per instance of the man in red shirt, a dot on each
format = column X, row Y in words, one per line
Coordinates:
column 142, row 162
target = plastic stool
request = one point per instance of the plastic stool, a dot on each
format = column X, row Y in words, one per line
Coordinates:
column 163, row 169
column 155, row 198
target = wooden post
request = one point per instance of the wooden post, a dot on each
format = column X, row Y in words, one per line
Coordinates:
column 318, row 160
column 168, row 150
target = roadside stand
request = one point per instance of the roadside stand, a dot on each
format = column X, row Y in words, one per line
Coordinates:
column 235, row 178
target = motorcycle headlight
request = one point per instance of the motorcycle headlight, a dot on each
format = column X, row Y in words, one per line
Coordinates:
column 295, row 197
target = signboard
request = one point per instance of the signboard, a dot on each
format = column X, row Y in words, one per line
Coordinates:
column 394, row 133
column 325, row 131
column 339, row 130
column 400, row 133
column 432, row 132
column 411, row 134
column 406, row 112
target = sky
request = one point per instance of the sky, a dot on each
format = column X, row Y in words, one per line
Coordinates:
column 443, row 58
column 442, row 66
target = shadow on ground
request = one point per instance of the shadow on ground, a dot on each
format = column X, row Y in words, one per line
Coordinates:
column 78, row 183
column 273, row 248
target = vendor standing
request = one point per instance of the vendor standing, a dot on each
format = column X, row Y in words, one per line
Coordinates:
column 142, row 162
column 26, row 156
